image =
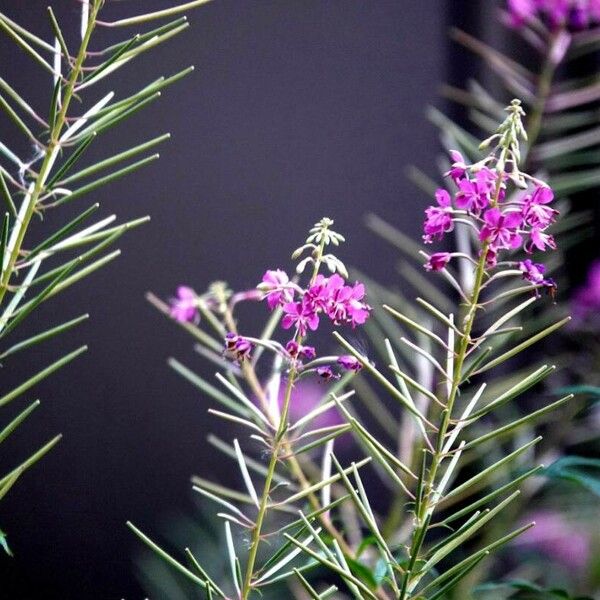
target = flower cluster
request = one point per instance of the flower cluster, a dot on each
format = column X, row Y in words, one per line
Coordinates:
column 329, row 296
column 501, row 222
column 238, row 346
column 572, row 14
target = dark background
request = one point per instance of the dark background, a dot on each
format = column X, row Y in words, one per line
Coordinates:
column 297, row 109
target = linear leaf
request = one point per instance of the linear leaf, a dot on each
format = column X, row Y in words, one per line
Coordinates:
column 16, row 392
column 45, row 335
column 167, row 557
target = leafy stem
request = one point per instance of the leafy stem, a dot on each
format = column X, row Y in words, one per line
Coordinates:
column 31, row 197
column 430, row 497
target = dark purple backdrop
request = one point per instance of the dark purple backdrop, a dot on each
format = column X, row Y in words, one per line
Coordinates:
column 297, row 109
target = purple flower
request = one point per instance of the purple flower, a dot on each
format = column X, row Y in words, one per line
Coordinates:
column 500, row 230
column 302, row 315
column 295, row 350
column 574, row 14
column 184, row 308
column 474, row 195
column 538, row 240
column 437, row 261
column 522, row 11
column 345, row 303
column 326, row 373
column 438, row 218
column 276, row 284
column 238, row 346
column 459, row 167
column 307, row 395
column 349, row 363
column 558, row 539
column 586, row 299
column 534, row 272
column 535, row 212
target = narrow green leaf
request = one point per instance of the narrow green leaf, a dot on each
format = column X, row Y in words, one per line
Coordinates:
column 41, row 337
column 208, row 388
column 474, row 505
column 148, row 35
column 115, row 159
column 113, row 117
column 382, row 379
column 578, row 469
column 205, row 575
column 63, row 231
column 346, row 575
column 58, row 33
column 107, row 179
column 499, row 432
column 7, row 196
column 522, row 346
column 26, row 309
column 516, row 390
column 452, row 571
column 32, row 459
column 18, row 420
column 166, row 557
column 10, row 31
column 110, row 61
column 16, row 392
column 482, row 475
column 18, row 99
column 54, row 110
column 79, row 150
column 14, row 117
column 159, row 14
column 441, row 593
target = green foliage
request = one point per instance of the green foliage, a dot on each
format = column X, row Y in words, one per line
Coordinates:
column 31, row 275
column 577, row 469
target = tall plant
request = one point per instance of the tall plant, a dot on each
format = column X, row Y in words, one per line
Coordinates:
column 504, row 212
column 74, row 117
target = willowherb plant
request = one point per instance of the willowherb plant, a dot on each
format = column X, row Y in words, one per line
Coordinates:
column 59, row 133
column 561, row 123
column 444, row 506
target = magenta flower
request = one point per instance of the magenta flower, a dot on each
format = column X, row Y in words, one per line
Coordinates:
column 535, row 211
column 345, row 303
column 500, row 230
column 295, row 350
column 558, row 539
column 586, row 299
column 459, row 167
column 326, row 373
column 437, row 261
column 301, row 315
column 438, row 218
column 349, row 363
column 238, row 346
column 538, row 240
column 276, row 284
column 306, row 396
column 574, row 14
column 184, row 308
column 533, row 272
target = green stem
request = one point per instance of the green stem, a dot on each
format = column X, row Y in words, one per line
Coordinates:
column 279, row 442
column 427, row 506
column 50, row 151
column 264, row 501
